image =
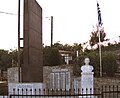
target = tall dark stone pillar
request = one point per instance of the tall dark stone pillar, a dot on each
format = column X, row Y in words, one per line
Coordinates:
column 32, row 68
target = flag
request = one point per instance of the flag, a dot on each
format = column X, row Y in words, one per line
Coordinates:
column 99, row 16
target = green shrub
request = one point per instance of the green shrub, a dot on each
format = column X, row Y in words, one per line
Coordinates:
column 109, row 64
column 51, row 56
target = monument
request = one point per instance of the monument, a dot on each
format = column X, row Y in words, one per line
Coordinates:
column 32, row 67
column 87, row 78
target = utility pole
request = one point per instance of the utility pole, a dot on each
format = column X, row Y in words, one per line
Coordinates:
column 51, row 31
column 119, row 39
column 19, row 41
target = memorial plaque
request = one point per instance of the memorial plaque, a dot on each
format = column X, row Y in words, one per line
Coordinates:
column 32, row 68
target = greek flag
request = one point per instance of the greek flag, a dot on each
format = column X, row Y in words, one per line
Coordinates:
column 99, row 16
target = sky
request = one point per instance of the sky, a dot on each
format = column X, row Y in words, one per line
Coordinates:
column 73, row 20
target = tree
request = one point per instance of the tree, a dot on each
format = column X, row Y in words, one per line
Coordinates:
column 51, row 56
column 94, row 40
column 109, row 63
column 67, row 47
column 77, row 46
column 94, row 60
column 58, row 46
column 5, row 60
column 14, row 56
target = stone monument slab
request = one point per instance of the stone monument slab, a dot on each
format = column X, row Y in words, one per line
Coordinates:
column 32, row 68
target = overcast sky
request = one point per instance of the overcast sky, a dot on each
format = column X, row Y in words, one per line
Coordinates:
column 73, row 20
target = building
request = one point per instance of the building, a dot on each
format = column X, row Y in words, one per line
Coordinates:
column 67, row 56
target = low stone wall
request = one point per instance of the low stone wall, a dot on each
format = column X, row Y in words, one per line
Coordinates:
column 12, row 75
column 108, row 81
column 98, row 82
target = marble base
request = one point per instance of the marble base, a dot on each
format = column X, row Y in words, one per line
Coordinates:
column 25, row 88
column 87, row 83
column 3, row 96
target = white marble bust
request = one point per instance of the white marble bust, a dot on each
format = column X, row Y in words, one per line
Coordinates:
column 87, row 68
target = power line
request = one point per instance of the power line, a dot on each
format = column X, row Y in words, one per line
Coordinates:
column 7, row 13
column 114, row 37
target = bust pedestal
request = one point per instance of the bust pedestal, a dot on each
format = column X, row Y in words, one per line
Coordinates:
column 87, row 83
column 87, row 79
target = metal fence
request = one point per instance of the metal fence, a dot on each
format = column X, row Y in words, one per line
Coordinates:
column 102, row 92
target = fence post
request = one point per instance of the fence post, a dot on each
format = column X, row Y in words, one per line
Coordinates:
column 13, row 91
column 48, row 92
column 90, row 92
column 78, row 91
column 26, row 91
column 113, row 90
column 102, row 92
column 117, row 91
column 44, row 91
column 52, row 91
column 105, row 91
column 99, row 91
column 86, row 92
column 39, row 91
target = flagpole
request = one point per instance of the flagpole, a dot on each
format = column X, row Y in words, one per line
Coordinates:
column 100, row 54
column 99, row 29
